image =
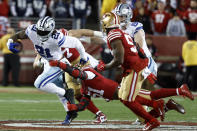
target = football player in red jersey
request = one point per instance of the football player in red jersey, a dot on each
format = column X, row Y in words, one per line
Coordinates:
column 128, row 94
column 108, row 89
column 127, row 55
column 133, row 61
column 73, row 57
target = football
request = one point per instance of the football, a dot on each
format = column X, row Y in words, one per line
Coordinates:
column 19, row 46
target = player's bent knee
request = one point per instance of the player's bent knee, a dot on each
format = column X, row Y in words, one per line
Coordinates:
column 36, row 83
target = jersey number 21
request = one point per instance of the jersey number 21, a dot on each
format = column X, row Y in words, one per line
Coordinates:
column 43, row 52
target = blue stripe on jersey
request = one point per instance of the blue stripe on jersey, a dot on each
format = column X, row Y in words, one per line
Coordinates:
column 34, row 28
column 150, row 59
column 61, row 41
column 138, row 28
column 52, row 76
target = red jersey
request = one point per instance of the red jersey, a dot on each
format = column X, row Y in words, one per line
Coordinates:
column 99, row 86
column 70, row 53
column 132, row 60
column 160, row 20
column 189, row 15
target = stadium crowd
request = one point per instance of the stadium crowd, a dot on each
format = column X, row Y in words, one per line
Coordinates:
column 159, row 17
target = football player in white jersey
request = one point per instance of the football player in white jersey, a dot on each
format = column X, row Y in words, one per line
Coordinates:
column 73, row 57
column 135, row 30
column 48, row 43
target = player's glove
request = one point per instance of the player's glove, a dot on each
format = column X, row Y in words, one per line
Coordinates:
column 74, row 72
column 12, row 46
column 57, row 63
column 83, row 61
column 152, row 78
column 101, row 66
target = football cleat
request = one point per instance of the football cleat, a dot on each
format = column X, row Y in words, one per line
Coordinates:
column 172, row 105
column 137, row 122
column 151, row 125
column 100, row 118
column 185, row 92
column 69, row 117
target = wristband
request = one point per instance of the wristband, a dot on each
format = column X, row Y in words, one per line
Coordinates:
column 98, row 33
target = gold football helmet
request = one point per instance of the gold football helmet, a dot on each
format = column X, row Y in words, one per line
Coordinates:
column 110, row 20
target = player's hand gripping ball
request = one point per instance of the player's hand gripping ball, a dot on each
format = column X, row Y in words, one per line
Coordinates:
column 15, row 47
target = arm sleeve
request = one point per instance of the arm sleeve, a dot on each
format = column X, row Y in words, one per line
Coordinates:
column 27, row 31
column 113, row 35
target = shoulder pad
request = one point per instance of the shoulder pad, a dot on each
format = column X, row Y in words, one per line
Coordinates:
column 60, row 38
column 114, row 34
column 30, row 28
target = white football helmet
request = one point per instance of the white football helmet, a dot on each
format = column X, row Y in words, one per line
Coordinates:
column 125, row 11
column 45, row 27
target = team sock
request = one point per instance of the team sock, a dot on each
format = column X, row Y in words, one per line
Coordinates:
column 138, row 109
column 162, row 93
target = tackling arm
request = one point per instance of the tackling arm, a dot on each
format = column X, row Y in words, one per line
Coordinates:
column 118, row 53
column 85, row 32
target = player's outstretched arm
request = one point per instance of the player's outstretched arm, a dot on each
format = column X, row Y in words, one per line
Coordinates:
column 139, row 38
column 85, row 32
column 74, row 72
column 19, row 35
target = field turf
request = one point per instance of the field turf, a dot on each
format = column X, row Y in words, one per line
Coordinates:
column 27, row 103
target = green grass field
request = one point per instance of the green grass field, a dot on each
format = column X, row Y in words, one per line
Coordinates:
column 30, row 104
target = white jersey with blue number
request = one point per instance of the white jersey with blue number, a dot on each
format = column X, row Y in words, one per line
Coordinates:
column 52, row 48
column 131, row 29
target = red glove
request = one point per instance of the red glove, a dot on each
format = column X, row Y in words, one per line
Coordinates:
column 58, row 64
column 54, row 62
column 152, row 78
column 101, row 66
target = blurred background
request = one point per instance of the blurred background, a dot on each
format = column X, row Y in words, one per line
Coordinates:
column 168, row 24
